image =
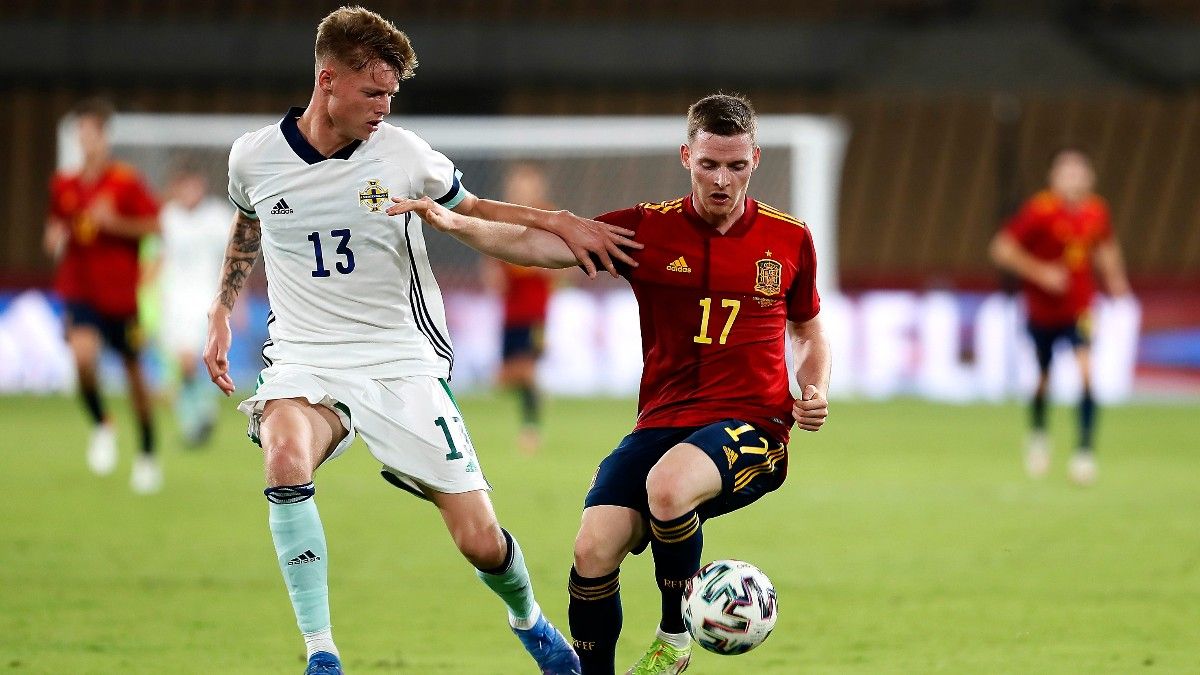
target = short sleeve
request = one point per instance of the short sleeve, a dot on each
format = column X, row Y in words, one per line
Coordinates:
column 1022, row 226
column 438, row 178
column 804, row 302
column 239, row 193
column 1104, row 231
column 58, row 207
column 135, row 198
column 629, row 219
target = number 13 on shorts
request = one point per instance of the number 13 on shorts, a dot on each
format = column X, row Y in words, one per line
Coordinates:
column 459, row 429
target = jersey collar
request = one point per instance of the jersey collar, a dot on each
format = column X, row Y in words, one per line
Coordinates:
column 290, row 127
column 739, row 228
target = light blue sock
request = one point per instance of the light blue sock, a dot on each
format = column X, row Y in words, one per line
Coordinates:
column 303, row 558
column 511, row 582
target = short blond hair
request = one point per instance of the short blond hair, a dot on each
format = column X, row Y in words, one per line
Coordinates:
column 356, row 37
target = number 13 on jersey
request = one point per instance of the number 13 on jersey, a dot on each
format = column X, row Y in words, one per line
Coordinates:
column 706, row 305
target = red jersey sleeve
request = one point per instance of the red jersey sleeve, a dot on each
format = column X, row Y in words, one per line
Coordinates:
column 58, row 197
column 133, row 198
column 804, row 302
column 1103, row 221
column 629, row 219
column 1023, row 223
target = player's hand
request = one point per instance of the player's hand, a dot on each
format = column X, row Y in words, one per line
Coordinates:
column 587, row 238
column 54, row 240
column 103, row 214
column 1052, row 279
column 216, row 351
column 811, row 409
column 439, row 217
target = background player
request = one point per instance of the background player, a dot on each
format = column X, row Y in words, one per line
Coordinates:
column 195, row 226
column 358, row 332
column 525, row 294
column 1053, row 243
column 97, row 218
column 720, row 279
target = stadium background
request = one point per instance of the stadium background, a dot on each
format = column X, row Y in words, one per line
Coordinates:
column 952, row 108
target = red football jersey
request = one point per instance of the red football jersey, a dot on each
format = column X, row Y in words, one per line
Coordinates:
column 1051, row 230
column 99, row 268
column 714, row 310
column 526, row 295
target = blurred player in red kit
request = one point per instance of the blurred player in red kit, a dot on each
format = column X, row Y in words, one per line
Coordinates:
column 720, row 280
column 97, row 219
column 1055, row 244
column 525, row 292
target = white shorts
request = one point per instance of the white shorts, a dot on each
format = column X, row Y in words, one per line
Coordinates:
column 410, row 424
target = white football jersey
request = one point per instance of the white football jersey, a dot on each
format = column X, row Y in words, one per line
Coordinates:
column 193, row 248
column 350, row 287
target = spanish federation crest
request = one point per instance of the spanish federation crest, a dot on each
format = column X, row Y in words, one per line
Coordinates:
column 768, row 276
column 374, row 196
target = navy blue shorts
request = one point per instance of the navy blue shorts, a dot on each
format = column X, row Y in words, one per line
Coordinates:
column 521, row 341
column 751, row 464
column 1076, row 334
column 122, row 333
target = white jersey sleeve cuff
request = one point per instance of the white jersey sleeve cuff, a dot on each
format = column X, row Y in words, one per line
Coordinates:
column 455, row 194
column 243, row 210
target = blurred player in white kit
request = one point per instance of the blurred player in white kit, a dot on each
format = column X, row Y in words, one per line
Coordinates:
column 195, row 226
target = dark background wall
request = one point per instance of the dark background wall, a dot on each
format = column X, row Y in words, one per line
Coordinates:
column 953, row 105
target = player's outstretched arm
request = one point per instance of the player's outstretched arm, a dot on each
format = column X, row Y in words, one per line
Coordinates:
column 511, row 243
column 812, row 359
column 245, row 239
column 1007, row 254
column 588, row 240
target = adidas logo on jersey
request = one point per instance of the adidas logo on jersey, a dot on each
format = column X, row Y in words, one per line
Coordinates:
column 679, row 265
column 281, row 208
column 306, row 557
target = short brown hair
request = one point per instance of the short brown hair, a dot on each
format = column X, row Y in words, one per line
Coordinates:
column 356, row 37
column 723, row 115
column 98, row 107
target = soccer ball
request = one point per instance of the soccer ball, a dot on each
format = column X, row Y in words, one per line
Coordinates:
column 729, row 606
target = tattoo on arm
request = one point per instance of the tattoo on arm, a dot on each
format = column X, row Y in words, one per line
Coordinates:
column 244, row 242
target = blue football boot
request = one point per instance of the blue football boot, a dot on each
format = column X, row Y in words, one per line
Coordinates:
column 549, row 648
column 323, row 663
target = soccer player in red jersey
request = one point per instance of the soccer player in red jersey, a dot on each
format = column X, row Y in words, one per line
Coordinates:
column 97, row 219
column 719, row 281
column 1055, row 243
column 525, row 292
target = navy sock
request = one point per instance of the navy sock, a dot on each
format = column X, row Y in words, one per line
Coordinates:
column 677, row 544
column 146, row 426
column 1038, row 411
column 530, row 405
column 93, row 404
column 595, row 616
column 1087, row 420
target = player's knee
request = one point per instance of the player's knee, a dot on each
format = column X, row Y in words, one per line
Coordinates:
column 286, row 462
column 668, row 492
column 482, row 544
column 595, row 556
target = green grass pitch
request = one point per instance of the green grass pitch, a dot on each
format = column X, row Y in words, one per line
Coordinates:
column 906, row 540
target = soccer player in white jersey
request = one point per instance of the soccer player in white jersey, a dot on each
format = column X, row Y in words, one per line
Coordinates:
column 358, row 333
column 194, row 231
